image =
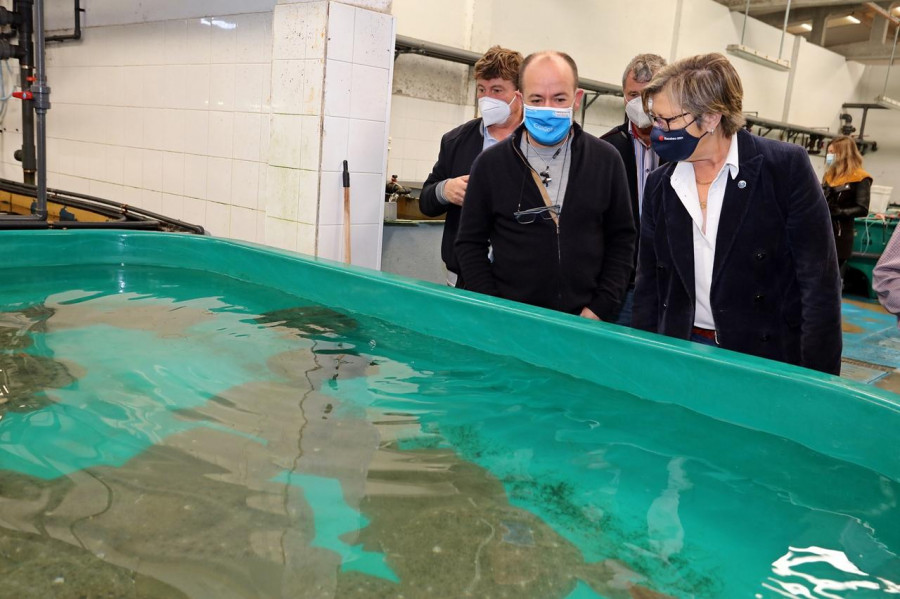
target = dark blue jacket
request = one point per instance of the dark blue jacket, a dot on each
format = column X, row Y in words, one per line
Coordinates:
column 620, row 138
column 776, row 291
column 459, row 149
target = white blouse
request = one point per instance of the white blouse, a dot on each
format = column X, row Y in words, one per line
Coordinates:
column 684, row 183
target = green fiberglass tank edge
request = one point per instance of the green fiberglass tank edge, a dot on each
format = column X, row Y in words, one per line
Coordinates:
column 828, row 414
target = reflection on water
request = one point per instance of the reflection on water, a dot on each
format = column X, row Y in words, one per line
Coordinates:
column 24, row 372
column 802, row 572
column 201, row 437
column 332, row 519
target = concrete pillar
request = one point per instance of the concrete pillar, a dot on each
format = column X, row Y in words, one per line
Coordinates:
column 817, row 35
column 330, row 96
column 878, row 35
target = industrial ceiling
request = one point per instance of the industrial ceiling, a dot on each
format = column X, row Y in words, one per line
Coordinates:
column 861, row 31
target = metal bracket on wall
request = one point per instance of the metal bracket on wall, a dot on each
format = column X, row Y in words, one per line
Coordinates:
column 408, row 45
column 864, row 144
column 811, row 139
column 76, row 32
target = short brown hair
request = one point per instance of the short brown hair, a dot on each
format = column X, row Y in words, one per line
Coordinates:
column 534, row 55
column 702, row 84
column 846, row 156
column 643, row 67
column 499, row 63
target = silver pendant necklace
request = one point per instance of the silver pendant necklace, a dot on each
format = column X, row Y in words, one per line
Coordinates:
column 544, row 174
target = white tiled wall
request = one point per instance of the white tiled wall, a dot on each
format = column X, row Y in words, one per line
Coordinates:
column 170, row 116
column 416, row 129
column 217, row 118
column 329, row 103
column 358, row 72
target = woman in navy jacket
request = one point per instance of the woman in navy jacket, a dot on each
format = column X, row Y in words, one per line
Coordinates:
column 736, row 247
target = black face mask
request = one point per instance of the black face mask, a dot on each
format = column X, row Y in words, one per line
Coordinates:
column 674, row 145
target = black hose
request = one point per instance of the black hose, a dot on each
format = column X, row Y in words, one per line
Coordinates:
column 121, row 215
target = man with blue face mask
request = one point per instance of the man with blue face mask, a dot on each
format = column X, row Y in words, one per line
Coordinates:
column 444, row 191
column 632, row 140
column 553, row 203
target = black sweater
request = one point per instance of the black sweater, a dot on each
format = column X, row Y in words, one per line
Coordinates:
column 459, row 149
column 585, row 262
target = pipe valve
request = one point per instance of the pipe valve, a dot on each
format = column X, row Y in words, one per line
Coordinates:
column 23, row 95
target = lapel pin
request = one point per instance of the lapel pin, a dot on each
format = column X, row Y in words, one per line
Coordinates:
column 742, row 184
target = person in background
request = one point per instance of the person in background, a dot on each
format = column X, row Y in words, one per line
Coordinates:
column 886, row 276
column 847, row 188
column 552, row 201
column 632, row 140
column 496, row 80
column 736, row 248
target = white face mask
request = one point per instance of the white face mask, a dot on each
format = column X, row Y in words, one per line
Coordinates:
column 634, row 109
column 829, row 159
column 494, row 111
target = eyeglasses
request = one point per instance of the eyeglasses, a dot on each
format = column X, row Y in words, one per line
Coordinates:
column 526, row 217
column 665, row 123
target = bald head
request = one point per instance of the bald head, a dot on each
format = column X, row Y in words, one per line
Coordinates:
column 559, row 60
column 550, row 79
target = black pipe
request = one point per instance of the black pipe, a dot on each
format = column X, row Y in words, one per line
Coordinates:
column 41, row 93
column 75, row 35
column 8, row 17
column 23, row 8
column 409, row 45
column 132, row 225
column 122, row 213
column 127, row 210
column 135, row 225
column 7, row 50
column 15, row 225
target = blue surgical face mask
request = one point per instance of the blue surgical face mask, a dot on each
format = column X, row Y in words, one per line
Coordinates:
column 829, row 159
column 548, row 125
column 674, row 145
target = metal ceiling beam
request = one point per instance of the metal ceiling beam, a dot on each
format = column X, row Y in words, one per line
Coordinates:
column 763, row 7
column 884, row 12
column 800, row 15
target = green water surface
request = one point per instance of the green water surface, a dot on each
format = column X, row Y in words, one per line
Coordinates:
column 207, row 436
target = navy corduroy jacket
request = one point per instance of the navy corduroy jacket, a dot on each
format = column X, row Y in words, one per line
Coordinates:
column 776, row 289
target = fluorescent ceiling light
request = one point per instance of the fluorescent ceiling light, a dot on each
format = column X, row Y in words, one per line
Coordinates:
column 842, row 21
column 887, row 102
column 804, row 27
column 779, row 64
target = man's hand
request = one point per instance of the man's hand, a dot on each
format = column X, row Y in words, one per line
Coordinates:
column 455, row 189
column 589, row 314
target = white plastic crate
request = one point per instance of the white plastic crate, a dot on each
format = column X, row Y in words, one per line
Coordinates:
column 879, row 199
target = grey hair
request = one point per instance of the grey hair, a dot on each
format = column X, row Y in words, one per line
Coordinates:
column 644, row 67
